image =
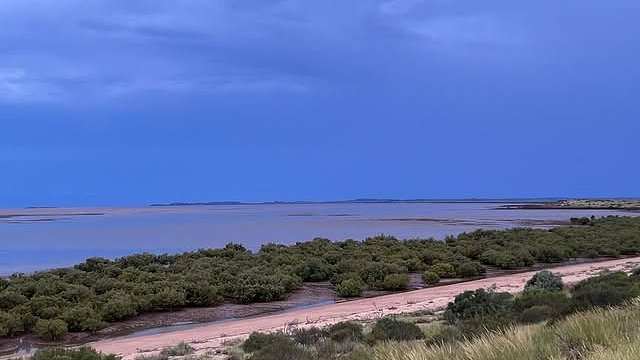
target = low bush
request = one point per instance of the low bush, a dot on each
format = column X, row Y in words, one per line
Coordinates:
column 349, row 288
column 84, row 353
column 51, row 330
column 477, row 303
column 430, row 277
column 444, row 270
column 310, row 336
column 281, row 349
column 544, row 280
column 257, row 341
column 535, row 314
column 470, row 269
column 392, row 329
column 346, row 331
column 395, row 282
column 608, row 289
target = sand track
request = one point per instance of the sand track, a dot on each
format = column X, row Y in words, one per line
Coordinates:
column 213, row 336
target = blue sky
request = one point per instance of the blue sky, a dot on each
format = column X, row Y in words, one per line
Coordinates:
column 131, row 102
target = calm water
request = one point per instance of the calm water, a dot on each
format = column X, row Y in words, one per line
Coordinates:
column 57, row 238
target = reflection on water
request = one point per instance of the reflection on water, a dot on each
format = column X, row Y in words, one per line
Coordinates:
column 67, row 236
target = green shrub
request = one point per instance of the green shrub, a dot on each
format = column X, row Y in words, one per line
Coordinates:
column 308, row 337
column 257, row 341
column 430, row 277
column 444, row 270
column 51, row 330
column 555, row 300
column 392, row 329
column 315, row 270
column 281, row 349
column 499, row 320
column 82, row 318
column 119, row 307
column 544, row 280
column 395, row 282
column 346, row 331
column 84, row 353
column 349, row 288
column 10, row 299
column 445, row 334
column 470, row 269
column 609, row 289
column 374, row 273
column 535, row 314
column 9, row 324
column 202, row 293
column 476, row 303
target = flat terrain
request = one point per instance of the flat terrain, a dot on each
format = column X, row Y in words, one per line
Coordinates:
column 213, row 336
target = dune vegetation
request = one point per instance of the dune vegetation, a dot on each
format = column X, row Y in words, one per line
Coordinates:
column 599, row 334
column 599, row 318
column 98, row 291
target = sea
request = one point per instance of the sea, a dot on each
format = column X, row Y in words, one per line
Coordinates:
column 39, row 239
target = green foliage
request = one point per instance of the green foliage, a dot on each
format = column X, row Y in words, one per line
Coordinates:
column 478, row 303
column 281, row 349
column 470, row 269
column 315, row 270
column 557, row 301
column 121, row 289
column 610, row 334
column 11, row 299
column 349, row 288
column 430, row 277
column 308, row 337
column 396, row 282
column 444, row 270
column 51, row 329
column 257, row 341
column 82, row 318
column 9, row 324
column 119, row 307
column 544, row 280
column 345, row 331
column 387, row 329
column 84, row 353
column 535, row 314
column 608, row 289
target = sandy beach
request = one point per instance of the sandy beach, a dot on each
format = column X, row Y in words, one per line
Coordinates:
column 215, row 335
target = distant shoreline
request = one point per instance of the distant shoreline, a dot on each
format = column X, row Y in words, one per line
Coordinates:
column 363, row 201
column 579, row 204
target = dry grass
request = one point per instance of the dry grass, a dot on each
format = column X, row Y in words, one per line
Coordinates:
column 595, row 335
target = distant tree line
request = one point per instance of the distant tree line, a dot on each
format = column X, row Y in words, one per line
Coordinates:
column 98, row 291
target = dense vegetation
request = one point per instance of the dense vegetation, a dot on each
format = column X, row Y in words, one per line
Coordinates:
column 484, row 325
column 98, row 290
column 600, row 334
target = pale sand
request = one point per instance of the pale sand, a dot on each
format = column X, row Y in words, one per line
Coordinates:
column 215, row 335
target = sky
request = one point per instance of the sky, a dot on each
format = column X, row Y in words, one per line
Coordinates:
column 124, row 102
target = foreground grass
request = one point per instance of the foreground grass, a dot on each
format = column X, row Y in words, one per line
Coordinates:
column 603, row 334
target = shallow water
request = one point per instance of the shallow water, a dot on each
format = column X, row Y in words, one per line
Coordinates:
column 60, row 237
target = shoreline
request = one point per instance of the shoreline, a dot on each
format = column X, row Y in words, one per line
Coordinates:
column 310, row 296
column 213, row 336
